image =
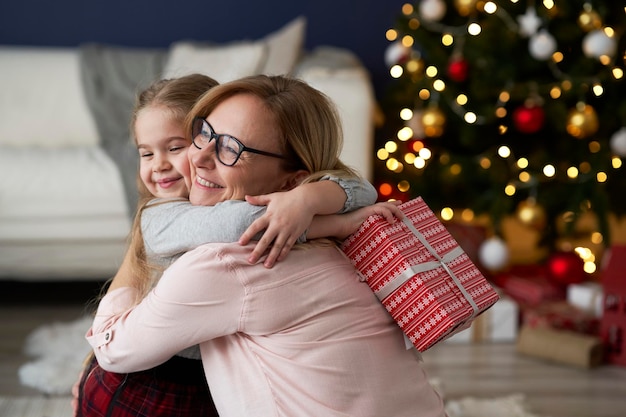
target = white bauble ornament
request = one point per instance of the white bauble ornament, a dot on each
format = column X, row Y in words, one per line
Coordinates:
column 493, row 254
column 432, row 10
column 542, row 45
column 597, row 43
column 618, row 142
column 529, row 22
column 396, row 53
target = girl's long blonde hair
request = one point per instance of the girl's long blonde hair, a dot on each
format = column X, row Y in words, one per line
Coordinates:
column 177, row 96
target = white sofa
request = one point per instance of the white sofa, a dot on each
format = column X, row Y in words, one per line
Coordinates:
column 64, row 208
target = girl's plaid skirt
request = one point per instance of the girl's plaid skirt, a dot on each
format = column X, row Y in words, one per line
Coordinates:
column 176, row 388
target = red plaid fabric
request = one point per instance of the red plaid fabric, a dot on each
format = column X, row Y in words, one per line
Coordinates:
column 176, row 388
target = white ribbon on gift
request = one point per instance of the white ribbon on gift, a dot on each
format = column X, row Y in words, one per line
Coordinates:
column 406, row 275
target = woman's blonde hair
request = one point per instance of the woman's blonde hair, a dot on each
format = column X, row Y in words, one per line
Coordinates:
column 311, row 132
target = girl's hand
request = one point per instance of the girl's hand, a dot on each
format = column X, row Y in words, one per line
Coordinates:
column 287, row 218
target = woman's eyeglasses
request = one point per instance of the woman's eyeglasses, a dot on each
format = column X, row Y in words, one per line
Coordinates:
column 227, row 148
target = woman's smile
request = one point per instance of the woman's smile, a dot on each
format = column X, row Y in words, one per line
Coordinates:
column 206, row 183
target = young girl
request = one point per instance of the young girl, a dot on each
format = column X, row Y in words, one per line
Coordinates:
column 169, row 225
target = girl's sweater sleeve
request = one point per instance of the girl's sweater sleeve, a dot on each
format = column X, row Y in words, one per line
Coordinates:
column 172, row 227
column 359, row 192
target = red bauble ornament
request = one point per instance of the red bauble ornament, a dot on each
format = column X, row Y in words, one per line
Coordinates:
column 566, row 268
column 458, row 70
column 528, row 118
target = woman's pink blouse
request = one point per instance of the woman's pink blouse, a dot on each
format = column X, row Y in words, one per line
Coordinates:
column 305, row 338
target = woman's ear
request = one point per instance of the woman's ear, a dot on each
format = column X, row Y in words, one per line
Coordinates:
column 294, row 179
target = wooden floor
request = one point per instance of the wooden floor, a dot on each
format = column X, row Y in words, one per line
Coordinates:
column 26, row 306
column 483, row 370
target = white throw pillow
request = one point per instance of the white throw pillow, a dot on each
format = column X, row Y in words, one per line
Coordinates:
column 41, row 99
column 276, row 53
column 224, row 63
column 285, row 46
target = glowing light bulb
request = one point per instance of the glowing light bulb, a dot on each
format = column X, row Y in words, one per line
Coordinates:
column 406, row 114
column 474, row 29
column 470, row 117
column 549, row 171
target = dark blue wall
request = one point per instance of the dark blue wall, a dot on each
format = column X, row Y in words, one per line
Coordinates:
column 357, row 25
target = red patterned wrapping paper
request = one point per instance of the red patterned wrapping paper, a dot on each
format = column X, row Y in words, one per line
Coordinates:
column 420, row 273
column 530, row 289
column 561, row 315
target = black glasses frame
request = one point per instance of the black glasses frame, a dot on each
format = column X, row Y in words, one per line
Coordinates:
column 197, row 128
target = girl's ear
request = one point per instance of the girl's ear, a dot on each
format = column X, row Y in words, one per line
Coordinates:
column 294, row 179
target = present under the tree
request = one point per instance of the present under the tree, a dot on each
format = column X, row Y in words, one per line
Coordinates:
column 497, row 325
column 561, row 315
column 613, row 322
column 420, row 273
column 561, row 346
column 529, row 284
column 587, row 296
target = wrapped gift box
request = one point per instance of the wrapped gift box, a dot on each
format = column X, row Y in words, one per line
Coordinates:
column 587, row 296
column 420, row 273
column 561, row 315
column 560, row 346
column 529, row 285
column 613, row 321
column 497, row 325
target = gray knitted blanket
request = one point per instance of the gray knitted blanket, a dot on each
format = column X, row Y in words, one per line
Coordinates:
column 112, row 76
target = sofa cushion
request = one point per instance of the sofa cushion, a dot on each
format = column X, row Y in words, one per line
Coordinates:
column 62, row 214
column 284, row 47
column 223, row 63
column 60, row 187
column 276, row 53
column 41, row 99
column 339, row 74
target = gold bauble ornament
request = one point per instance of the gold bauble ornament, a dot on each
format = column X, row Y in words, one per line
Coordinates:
column 531, row 214
column 415, row 66
column 433, row 121
column 589, row 20
column 465, row 7
column 582, row 121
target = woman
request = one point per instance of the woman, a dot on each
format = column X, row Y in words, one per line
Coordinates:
column 304, row 338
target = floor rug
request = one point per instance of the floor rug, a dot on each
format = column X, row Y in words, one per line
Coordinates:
column 510, row 406
column 58, row 351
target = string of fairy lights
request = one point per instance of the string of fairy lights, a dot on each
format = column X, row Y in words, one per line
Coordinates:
column 425, row 119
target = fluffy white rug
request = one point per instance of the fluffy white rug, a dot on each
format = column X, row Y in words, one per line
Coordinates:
column 60, row 349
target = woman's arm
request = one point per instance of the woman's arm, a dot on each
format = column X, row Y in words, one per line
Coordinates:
column 126, row 337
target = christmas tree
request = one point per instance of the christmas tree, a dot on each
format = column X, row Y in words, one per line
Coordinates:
column 511, row 107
